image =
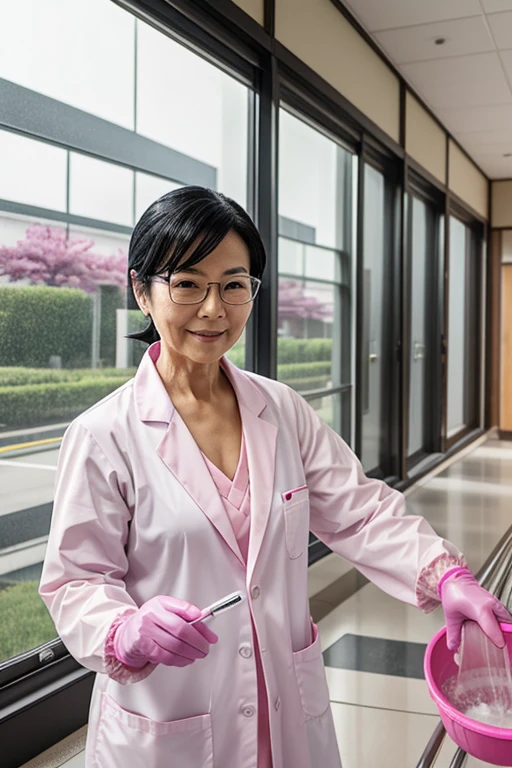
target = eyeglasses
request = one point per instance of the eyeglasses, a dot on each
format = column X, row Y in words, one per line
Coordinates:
column 236, row 290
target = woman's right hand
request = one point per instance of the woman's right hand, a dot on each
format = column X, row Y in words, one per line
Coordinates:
column 160, row 633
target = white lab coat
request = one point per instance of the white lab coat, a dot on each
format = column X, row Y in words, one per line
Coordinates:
column 137, row 514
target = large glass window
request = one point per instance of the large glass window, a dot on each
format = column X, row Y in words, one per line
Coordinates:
column 65, row 221
column 65, row 50
column 315, row 267
column 463, row 323
column 425, row 248
column 377, row 341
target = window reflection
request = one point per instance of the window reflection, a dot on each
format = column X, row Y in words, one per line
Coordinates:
column 65, row 222
column 315, row 244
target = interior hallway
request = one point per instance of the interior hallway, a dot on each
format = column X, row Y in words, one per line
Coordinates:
column 374, row 645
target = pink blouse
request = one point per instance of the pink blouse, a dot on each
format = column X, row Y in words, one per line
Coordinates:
column 235, row 495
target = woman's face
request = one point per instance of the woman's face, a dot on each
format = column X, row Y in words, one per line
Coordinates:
column 204, row 332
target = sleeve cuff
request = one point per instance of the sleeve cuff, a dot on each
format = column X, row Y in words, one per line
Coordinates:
column 427, row 596
column 114, row 668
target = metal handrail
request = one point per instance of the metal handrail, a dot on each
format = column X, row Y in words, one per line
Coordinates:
column 496, row 576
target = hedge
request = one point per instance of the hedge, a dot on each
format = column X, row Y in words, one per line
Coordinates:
column 37, row 322
column 293, row 352
column 304, row 350
column 303, row 370
column 28, row 403
column 15, row 377
column 25, row 621
column 305, row 384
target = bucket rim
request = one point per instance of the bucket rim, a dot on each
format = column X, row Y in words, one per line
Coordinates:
column 482, row 729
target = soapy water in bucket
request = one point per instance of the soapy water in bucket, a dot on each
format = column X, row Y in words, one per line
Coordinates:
column 482, row 689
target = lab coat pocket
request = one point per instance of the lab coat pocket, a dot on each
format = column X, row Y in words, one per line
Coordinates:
column 296, row 521
column 126, row 739
column 310, row 674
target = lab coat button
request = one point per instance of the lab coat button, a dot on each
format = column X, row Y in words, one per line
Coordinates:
column 248, row 711
column 245, row 651
column 255, row 593
column 277, row 704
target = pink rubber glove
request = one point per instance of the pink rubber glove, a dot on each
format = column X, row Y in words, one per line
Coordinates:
column 463, row 598
column 160, row 633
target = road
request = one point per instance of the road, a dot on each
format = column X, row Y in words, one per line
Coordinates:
column 26, row 494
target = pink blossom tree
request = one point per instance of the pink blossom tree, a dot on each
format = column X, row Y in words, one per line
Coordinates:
column 47, row 255
column 293, row 303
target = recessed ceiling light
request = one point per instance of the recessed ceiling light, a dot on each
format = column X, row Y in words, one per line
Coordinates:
column 440, row 40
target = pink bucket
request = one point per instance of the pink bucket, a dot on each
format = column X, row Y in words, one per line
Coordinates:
column 485, row 742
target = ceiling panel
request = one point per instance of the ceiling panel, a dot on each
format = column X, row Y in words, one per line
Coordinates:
column 485, row 138
column 389, row 14
column 496, row 6
column 488, row 150
column 501, row 28
column 463, row 36
column 464, row 81
column 494, row 168
column 506, row 58
column 473, row 119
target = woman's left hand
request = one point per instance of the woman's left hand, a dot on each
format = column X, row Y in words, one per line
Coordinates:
column 463, row 599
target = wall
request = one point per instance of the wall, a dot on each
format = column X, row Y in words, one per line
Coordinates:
column 425, row 140
column 467, row 182
column 337, row 53
column 255, row 8
column 502, row 203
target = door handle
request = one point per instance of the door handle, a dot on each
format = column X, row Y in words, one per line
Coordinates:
column 419, row 351
column 373, row 358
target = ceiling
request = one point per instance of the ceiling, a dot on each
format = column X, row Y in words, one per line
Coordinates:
column 467, row 80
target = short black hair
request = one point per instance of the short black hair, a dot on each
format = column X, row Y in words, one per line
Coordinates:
column 177, row 220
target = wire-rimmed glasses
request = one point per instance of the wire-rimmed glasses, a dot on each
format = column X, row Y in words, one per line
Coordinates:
column 234, row 290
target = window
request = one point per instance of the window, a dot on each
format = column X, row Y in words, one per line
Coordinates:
column 379, row 367
column 33, row 172
column 463, row 325
column 43, row 47
column 65, row 221
column 425, row 226
column 315, row 268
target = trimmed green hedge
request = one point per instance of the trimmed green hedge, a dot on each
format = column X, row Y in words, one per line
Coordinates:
column 25, row 621
column 15, row 377
column 28, row 403
column 303, row 350
column 294, row 352
column 39, row 321
column 303, row 370
column 311, row 382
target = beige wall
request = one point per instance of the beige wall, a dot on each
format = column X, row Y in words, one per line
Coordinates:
column 254, row 8
column 317, row 33
column 466, row 181
column 425, row 140
column 502, row 203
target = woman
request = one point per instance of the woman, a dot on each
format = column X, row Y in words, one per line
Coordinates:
column 194, row 480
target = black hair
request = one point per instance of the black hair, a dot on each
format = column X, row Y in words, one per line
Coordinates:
column 177, row 221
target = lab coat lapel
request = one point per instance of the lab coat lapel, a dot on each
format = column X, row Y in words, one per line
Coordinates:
column 261, row 442
column 178, row 449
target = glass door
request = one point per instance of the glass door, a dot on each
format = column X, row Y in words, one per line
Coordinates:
column 463, row 330
column 424, row 348
column 377, row 323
